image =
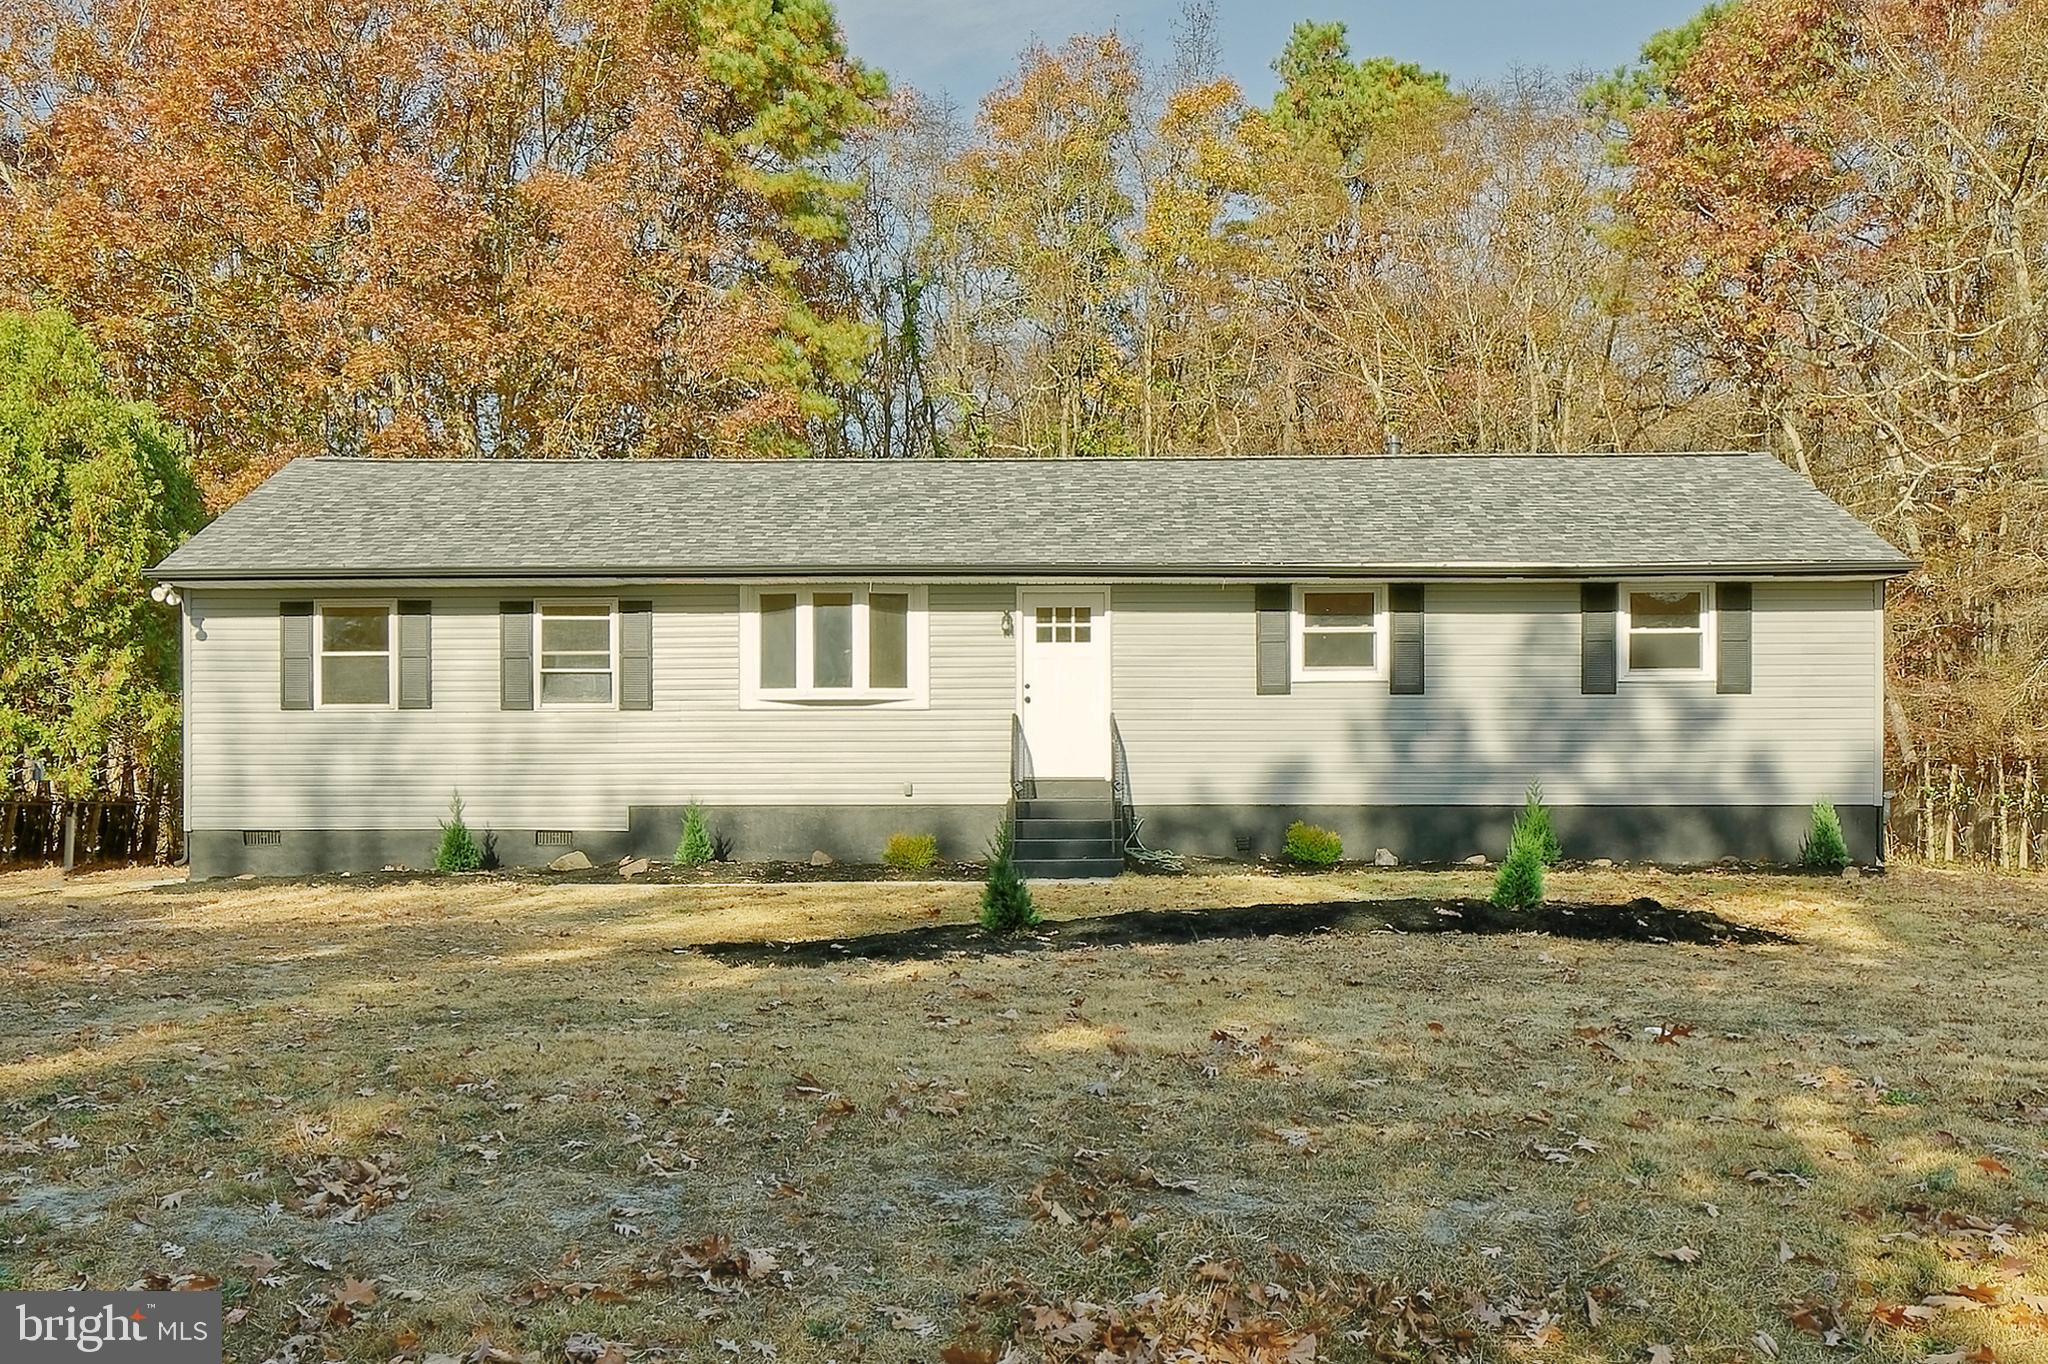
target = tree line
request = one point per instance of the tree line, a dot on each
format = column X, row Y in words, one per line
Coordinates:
column 702, row 227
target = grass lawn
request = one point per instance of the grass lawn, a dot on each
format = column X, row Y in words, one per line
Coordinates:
column 484, row 1118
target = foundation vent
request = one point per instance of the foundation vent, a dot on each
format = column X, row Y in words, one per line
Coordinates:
column 1244, row 845
column 554, row 838
column 262, row 838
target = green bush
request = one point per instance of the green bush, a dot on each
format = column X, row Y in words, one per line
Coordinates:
column 910, row 852
column 1313, row 847
column 1534, row 823
column 1825, row 849
column 1519, row 882
column 695, row 847
column 458, row 850
column 1005, row 900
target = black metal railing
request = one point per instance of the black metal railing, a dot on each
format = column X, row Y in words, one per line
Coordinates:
column 1120, row 782
column 1022, row 778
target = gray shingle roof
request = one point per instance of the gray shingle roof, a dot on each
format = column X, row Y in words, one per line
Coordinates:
column 1417, row 515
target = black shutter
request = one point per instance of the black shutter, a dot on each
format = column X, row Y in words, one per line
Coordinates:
column 1732, row 603
column 415, row 655
column 636, row 655
column 515, row 655
column 1596, row 638
column 295, row 655
column 1405, row 678
column 1275, row 604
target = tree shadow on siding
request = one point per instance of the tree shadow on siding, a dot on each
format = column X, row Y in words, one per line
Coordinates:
column 1693, row 752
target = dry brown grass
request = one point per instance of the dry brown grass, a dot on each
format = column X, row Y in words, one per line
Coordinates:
column 566, row 1099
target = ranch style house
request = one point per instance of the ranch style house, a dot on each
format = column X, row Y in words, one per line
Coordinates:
column 1686, row 650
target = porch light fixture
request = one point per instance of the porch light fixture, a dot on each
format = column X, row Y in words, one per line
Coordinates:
column 1009, row 624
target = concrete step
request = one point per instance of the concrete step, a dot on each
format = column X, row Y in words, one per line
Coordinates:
column 1064, row 807
column 1099, row 842
column 1069, row 788
column 1029, row 828
column 1071, row 869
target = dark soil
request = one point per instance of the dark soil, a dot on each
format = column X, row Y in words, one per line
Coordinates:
column 1643, row 920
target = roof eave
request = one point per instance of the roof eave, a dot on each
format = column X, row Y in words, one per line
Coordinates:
column 267, row 574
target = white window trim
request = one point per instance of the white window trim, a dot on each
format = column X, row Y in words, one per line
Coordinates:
column 1298, row 633
column 915, row 696
column 320, row 653
column 1623, row 627
column 585, row 605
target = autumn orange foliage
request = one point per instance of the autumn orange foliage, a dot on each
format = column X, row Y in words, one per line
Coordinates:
column 437, row 227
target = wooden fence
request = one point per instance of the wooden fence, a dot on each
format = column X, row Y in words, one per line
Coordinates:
column 1991, row 811
column 142, row 828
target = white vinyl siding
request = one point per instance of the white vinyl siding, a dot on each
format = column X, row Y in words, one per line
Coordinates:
column 1502, row 708
column 254, row 765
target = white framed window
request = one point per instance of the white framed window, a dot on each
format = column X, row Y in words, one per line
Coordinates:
column 576, row 658
column 1340, row 632
column 820, row 643
column 1063, row 624
column 355, row 654
column 1666, row 630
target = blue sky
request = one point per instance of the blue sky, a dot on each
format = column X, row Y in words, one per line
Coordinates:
column 961, row 48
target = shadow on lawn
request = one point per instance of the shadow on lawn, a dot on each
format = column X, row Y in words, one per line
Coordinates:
column 1643, row 920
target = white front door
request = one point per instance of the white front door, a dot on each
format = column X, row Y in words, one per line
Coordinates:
column 1063, row 695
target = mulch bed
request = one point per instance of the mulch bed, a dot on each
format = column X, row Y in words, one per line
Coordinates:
column 1643, row 920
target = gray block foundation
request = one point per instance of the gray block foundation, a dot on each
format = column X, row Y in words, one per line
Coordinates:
column 1448, row 833
column 856, row 833
column 757, row 833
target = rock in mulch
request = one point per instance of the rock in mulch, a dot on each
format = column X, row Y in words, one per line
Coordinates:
column 573, row 860
column 1476, row 860
column 1384, row 858
column 821, row 858
column 633, row 867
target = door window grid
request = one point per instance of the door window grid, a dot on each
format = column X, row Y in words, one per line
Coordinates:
column 1064, row 624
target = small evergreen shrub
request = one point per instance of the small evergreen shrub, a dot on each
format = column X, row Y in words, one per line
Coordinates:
column 1534, row 822
column 695, row 847
column 1825, row 849
column 910, row 852
column 458, row 849
column 1519, row 882
column 1005, row 900
column 1313, row 847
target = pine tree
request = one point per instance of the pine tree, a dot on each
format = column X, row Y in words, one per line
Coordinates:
column 1825, row 849
column 1519, row 882
column 1005, row 900
column 458, row 850
column 1534, row 821
column 695, row 847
